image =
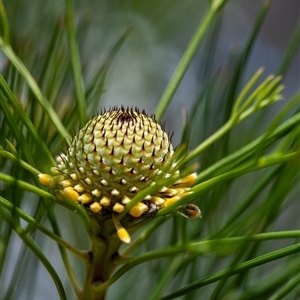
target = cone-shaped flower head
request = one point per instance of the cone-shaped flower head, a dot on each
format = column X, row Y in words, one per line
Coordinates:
column 113, row 157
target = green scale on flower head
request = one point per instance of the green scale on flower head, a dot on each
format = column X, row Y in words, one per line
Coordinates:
column 113, row 157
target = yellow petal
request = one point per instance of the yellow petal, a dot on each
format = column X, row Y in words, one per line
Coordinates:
column 121, row 231
column 125, row 199
column 170, row 201
column 124, row 235
column 118, row 208
column 66, row 183
column 138, row 210
column 45, row 179
column 95, row 207
column 186, row 181
column 105, row 201
column 85, row 198
column 70, row 193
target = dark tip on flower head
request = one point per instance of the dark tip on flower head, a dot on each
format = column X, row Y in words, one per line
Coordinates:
column 170, row 136
column 126, row 118
column 153, row 117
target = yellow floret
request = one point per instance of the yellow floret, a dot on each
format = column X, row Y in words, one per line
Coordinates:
column 118, row 207
column 70, row 193
column 138, row 210
column 95, row 207
column 47, row 180
column 124, row 235
column 85, row 198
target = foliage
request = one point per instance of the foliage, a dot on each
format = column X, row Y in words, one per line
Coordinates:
column 247, row 180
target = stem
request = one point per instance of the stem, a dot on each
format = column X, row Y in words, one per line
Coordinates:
column 18, row 64
column 144, row 235
column 21, row 162
column 246, row 90
column 5, row 27
column 254, row 165
column 101, row 264
column 20, row 112
column 86, row 290
column 228, row 272
column 209, row 141
column 77, row 208
column 11, row 121
column 73, row 279
column 166, row 276
column 76, row 65
column 8, row 205
column 187, row 57
column 243, row 154
column 244, row 58
column 210, row 246
column 290, row 51
column 38, row 253
column 292, row 284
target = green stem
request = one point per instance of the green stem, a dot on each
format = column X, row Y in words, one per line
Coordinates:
column 228, row 272
column 84, row 256
column 210, row 246
column 289, row 140
column 76, row 65
column 254, row 95
column 230, row 223
column 18, row 64
column 239, row 111
column 5, row 27
column 244, row 58
column 246, row 90
column 187, row 57
column 77, row 208
column 273, row 280
column 21, row 162
column 38, row 253
column 101, row 264
column 26, row 186
column 209, row 141
column 10, row 119
column 243, row 154
column 292, row 284
column 86, row 290
column 262, row 162
column 19, row 110
column 290, row 51
column 8, row 205
column 143, row 236
column 166, row 276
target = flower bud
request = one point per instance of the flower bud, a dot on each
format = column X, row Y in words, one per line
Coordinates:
column 114, row 156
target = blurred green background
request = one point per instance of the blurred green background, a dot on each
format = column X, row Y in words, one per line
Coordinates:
column 160, row 31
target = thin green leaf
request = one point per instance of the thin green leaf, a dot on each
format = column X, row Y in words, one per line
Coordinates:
column 78, row 209
column 76, row 64
column 34, row 88
column 290, row 51
column 212, row 246
column 6, row 204
column 187, row 57
column 18, row 109
column 234, row 270
column 39, row 254
column 288, row 288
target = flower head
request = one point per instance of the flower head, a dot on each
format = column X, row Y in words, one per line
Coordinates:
column 114, row 156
